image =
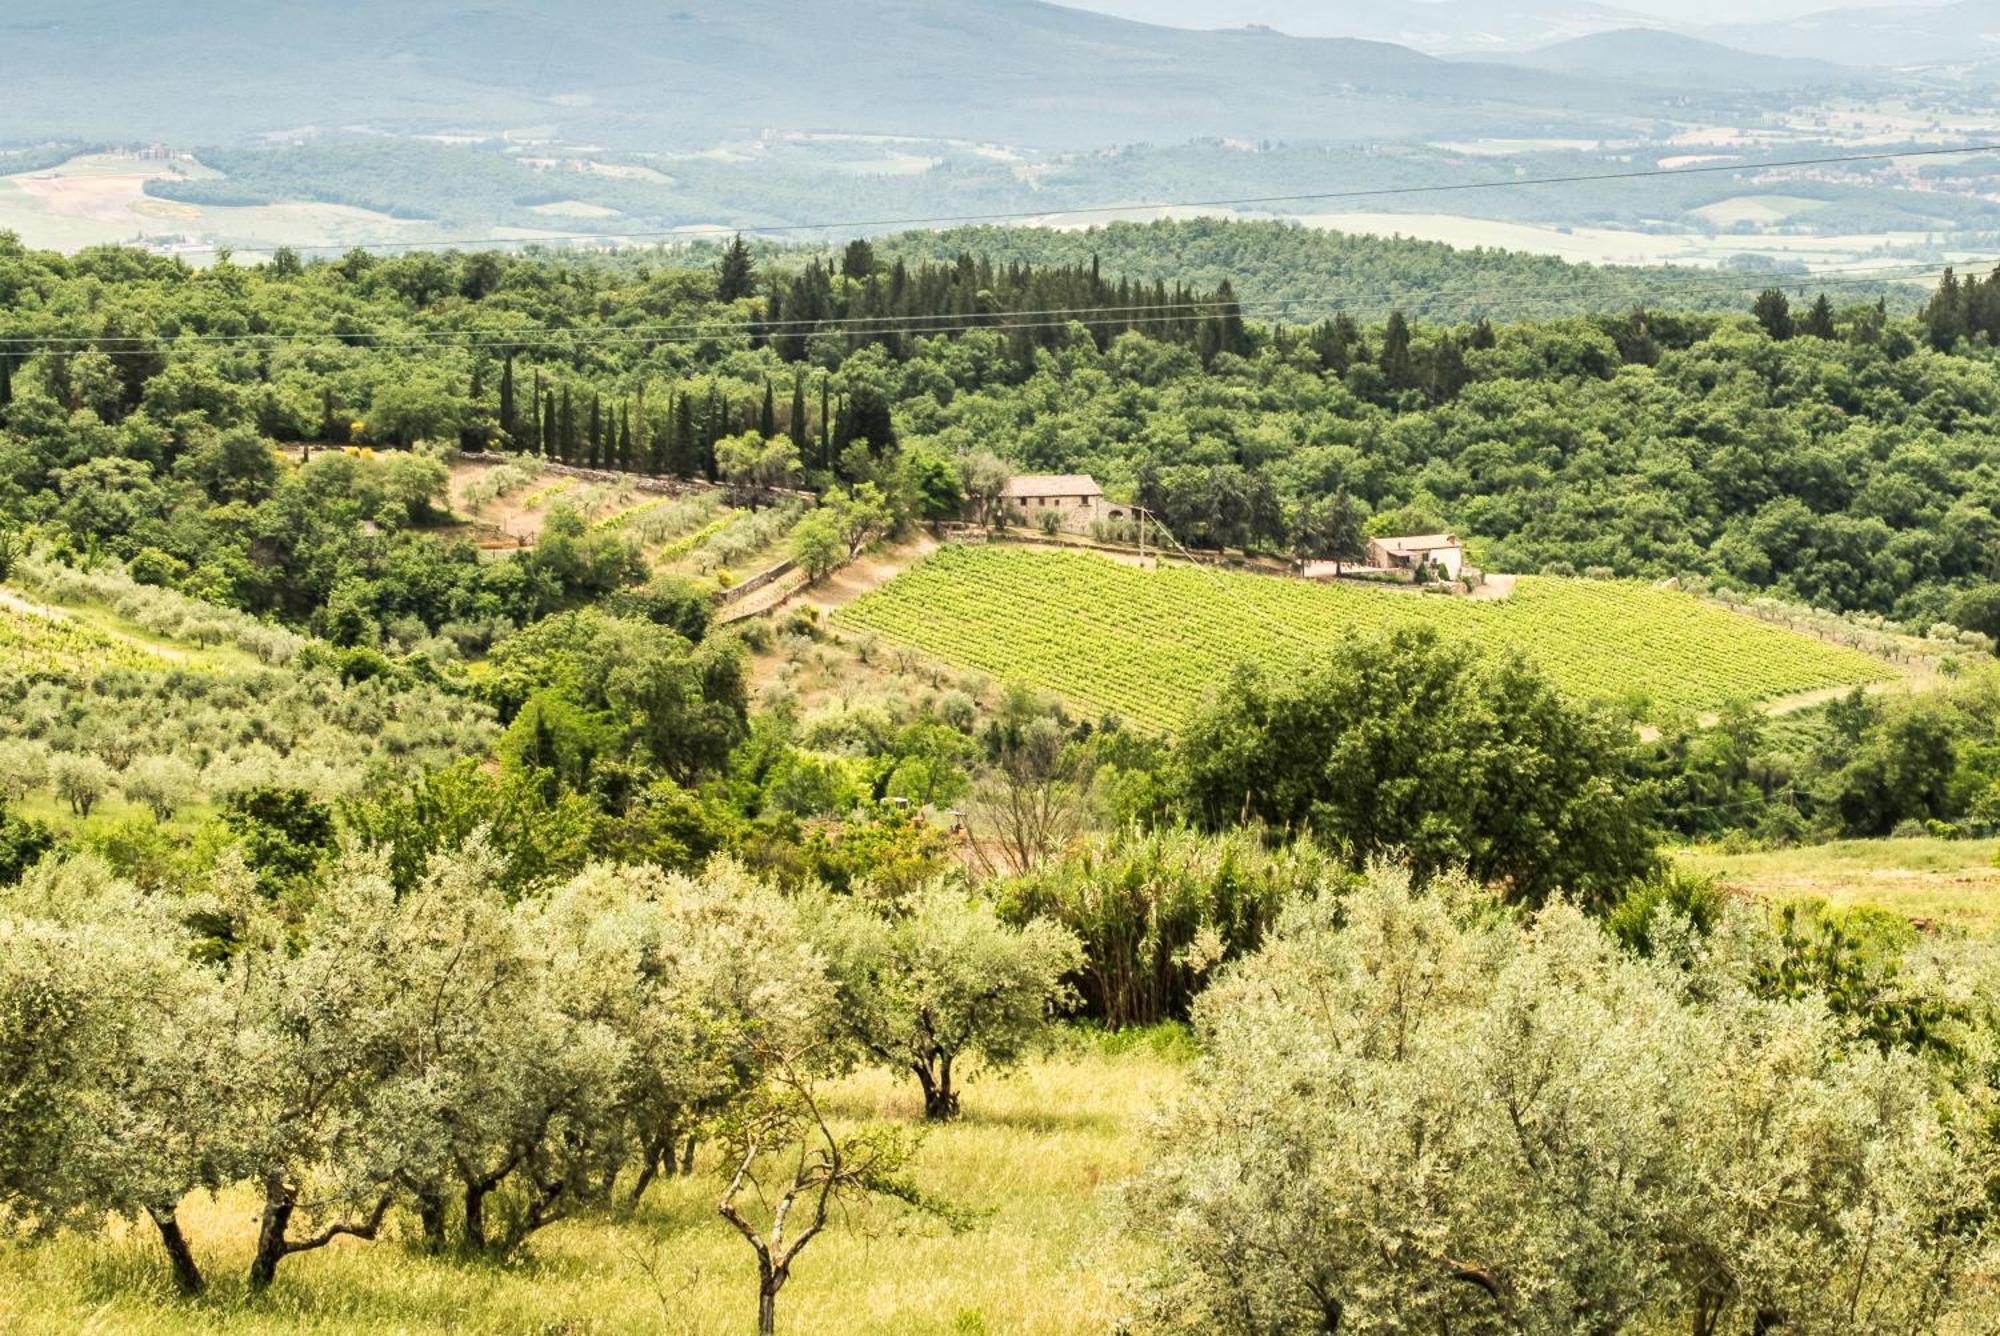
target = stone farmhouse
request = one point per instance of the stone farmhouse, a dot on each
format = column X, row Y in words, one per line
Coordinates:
column 1441, row 550
column 1074, row 498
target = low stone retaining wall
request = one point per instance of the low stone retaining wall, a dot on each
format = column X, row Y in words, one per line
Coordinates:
column 764, row 579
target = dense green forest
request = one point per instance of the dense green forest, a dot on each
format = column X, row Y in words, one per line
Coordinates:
column 1290, row 273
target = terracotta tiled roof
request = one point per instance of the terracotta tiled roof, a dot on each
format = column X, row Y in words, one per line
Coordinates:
column 1052, row 484
column 1425, row 542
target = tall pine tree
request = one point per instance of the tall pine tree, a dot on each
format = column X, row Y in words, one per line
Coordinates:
column 797, row 425
column 767, row 417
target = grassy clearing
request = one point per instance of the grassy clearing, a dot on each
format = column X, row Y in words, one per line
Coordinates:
column 1946, row 882
column 1037, row 1151
column 1148, row 644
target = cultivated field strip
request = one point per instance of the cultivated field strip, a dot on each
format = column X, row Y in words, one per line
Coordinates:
column 1147, row 644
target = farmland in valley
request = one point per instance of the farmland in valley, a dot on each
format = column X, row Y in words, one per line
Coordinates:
column 1147, row 644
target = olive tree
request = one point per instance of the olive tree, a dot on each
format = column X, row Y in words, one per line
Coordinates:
column 80, row 780
column 112, row 1100
column 162, row 784
column 498, row 1097
column 315, row 1007
column 24, row 767
column 703, row 976
column 926, row 986
column 1412, row 1113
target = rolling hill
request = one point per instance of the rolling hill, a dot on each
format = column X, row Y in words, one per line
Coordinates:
column 1677, row 61
column 641, row 74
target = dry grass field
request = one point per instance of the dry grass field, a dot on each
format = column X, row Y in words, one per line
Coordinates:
column 1036, row 1157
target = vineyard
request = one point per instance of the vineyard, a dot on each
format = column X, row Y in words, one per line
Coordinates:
column 1147, row 644
column 40, row 646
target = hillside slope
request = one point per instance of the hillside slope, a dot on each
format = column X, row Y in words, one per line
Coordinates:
column 638, row 73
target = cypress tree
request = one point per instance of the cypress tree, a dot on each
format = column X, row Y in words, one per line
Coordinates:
column 549, row 441
column 825, row 426
column 1945, row 316
column 625, row 437
column 1230, row 335
column 1398, row 367
column 714, row 426
column 508, row 427
column 686, row 448
column 767, row 419
column 6, row 380
column 566, row 426
column 798, row 422
column 596, row 429
column 471, row 436
column 537, row 441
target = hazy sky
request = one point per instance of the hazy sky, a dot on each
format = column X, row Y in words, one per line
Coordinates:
column 1234, row 13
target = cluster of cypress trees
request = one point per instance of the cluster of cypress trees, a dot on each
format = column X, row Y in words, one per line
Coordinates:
column 585, row 429
column 868, row 305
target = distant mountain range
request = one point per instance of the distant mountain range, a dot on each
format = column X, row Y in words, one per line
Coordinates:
column 1914, row 33
column 1962, row 32
column 1438, row 27
column 676, row 73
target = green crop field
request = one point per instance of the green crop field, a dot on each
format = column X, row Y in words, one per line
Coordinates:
column 1148, row 644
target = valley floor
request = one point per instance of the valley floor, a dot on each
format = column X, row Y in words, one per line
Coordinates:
column 1036, row 1157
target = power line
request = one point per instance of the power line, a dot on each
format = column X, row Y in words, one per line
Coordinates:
column 1091, row 210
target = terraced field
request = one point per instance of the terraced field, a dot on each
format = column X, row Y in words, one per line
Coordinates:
column 1148, row 644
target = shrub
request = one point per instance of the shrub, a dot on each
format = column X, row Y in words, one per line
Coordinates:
column 1157, row 913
